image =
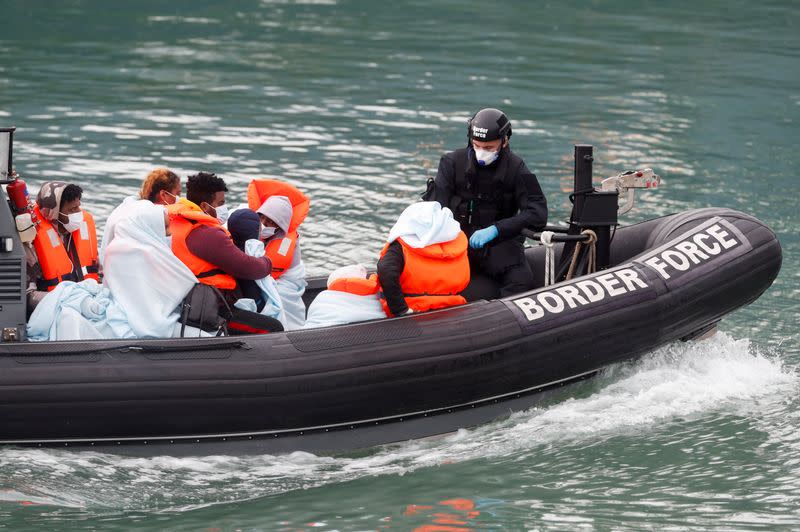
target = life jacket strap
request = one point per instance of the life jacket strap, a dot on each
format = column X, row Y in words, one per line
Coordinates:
column 210, row 273
column 421, row 294
column 47, row 284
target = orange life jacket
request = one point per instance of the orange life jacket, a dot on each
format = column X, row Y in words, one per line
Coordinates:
column 184, row 217
column 434, row 275
column 53, row 256
column 356, row 285
column 280, row 250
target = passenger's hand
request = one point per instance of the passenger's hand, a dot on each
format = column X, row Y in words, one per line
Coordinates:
column 482, row 237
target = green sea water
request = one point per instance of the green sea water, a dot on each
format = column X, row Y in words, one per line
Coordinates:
column 354, row 102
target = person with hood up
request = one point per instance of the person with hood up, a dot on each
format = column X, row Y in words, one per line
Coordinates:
column 65, row 246
column 283, row 250
column 276, row 215
column 424, row 264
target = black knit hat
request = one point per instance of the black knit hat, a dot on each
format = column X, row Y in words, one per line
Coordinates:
column 243, row 225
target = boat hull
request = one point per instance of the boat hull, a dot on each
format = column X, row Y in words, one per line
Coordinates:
column 378, row 382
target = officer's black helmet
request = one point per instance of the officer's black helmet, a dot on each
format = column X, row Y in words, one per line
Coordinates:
column 488, row 124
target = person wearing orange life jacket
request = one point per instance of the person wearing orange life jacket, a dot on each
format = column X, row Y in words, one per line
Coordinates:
column 200, row 241
column 281, row 208
column 351, row 296
column 424, row 264
column 65, row 246
column 281, row 245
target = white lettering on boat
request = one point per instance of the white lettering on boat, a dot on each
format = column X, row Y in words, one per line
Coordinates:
column 580, row 293
column 695, row 249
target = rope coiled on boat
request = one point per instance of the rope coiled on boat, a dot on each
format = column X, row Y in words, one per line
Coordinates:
column 591, row 265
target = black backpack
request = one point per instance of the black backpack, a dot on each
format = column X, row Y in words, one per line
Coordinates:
column 205, row 307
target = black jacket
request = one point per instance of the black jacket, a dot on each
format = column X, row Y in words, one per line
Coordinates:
column 505, row 194
column 390, row 268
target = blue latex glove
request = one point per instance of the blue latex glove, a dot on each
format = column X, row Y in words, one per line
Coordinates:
column 482, row 237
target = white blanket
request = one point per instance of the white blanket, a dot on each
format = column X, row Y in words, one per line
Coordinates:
column 111, row 223
column 146, row 280
column 423, row 224
column 332, row 307
column 291, row 287
column 72, row 311
column 143, row 286
column 273, row 306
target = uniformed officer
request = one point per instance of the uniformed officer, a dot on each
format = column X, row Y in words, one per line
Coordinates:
column 494, row 197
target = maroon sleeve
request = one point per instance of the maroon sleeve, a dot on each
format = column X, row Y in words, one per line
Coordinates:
column 213, row 245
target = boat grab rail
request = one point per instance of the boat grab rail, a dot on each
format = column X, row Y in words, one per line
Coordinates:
column 557, row 237
column 152, row 346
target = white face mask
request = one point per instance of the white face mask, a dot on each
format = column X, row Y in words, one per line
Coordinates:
column 485, row 157
column 267, row 232
column 222, row 213
column 74, row 221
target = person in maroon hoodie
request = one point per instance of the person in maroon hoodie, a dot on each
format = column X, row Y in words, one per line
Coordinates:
column 200, row 241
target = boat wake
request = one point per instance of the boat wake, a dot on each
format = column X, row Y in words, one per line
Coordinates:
column 694, row 381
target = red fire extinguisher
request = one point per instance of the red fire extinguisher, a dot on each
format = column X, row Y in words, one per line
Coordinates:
column 18, row 194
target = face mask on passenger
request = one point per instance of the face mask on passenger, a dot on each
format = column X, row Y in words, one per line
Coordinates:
column 485, row 157
column 222, row 213
column 267, row 232
column 73, row 221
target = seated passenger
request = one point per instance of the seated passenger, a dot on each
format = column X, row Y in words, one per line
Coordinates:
column 282, row 208
column 262, row 295
column 424, row 264
column 351, row 297
column 65, row 247
column 244, row 225
column 200, row 241
column 141, row 294
column 147, row 283
column 423, row 267
column 161, row 187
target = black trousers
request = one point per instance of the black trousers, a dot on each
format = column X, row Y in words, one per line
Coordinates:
column 498, row 271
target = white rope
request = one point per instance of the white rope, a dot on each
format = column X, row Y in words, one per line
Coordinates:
column 549, row 257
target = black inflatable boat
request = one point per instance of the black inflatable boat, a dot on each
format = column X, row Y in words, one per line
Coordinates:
column 358, row 385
